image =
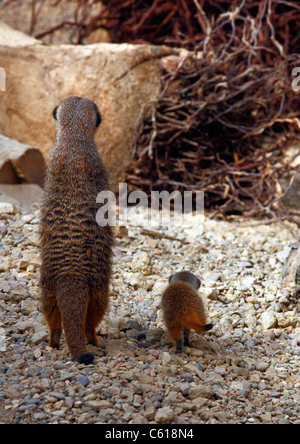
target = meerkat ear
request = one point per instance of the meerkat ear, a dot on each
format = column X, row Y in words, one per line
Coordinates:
column 198, row 283
column 98, row 119
column 55, row 113
column 171, row 278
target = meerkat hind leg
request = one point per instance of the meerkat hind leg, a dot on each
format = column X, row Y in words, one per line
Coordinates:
column 176, row 334
column 53, row 317
column 179, row 346
column 91, row 336
column 55, row 335
column 186, row 336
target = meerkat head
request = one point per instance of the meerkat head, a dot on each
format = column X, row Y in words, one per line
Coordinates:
column 185, row 276
column 77, row 113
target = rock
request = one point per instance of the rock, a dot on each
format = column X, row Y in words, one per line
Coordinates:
column 266, row 417
column 138, row 419
column 98, row 404
column 250, row 320
column 199, row 402
column 58, row 365
column 18, row 15
column 268, row 320
column 135, row 279
column 154, row 335
column 248, row 281
column 209, row 293
column 34, row 239
column 20, row 163
column 149, row 412
column 83, row 380
column 185, row 388
column 213, row 277
column 11, row 15
column 242, row 288
column 40, row 335
column 275, row 394
column 58, row 395
column 24, row 325
column 4, row 286
column 165, row 415
column 121, row 231
column 124, row 80
column 142, row 263
column 165, row 358
column 287, row 319
column 262, row 366
column 113, row 333
column 28, row 306
column 6, row 208
column 245, row 264
column 199, row 391
column 159, row 287
column 30, row 259
column 284, row 254
column 69, row 402
column 269, row 334
column 241, row 387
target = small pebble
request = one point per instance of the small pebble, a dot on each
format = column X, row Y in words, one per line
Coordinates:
column 165, row 415
column 83, row 380
column 262, row 366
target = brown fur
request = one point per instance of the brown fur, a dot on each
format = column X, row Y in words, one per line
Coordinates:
column 183, row 308
column 76, row 251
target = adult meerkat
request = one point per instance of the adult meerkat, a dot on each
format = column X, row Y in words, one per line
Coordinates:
column 183, row 308
column 75, row 250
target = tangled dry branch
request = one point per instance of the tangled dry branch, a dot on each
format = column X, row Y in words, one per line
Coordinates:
column 227, row 115
column 227, row 112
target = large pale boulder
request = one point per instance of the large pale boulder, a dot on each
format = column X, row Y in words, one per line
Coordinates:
column 39, row 16
column 124, row 80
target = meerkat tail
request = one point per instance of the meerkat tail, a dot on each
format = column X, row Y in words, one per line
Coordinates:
column 208, row 327
column 73, row 302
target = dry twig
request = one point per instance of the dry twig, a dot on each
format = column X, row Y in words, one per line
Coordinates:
column 227, row 115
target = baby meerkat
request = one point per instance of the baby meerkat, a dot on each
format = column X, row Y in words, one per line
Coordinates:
column 183, row 308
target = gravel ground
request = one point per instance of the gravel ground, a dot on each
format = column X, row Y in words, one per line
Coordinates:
column 245, row 370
